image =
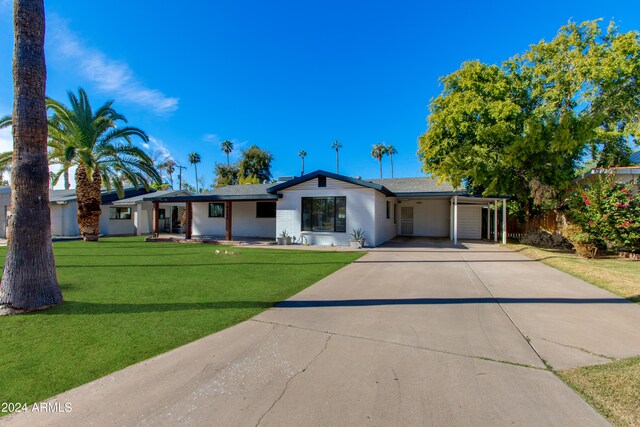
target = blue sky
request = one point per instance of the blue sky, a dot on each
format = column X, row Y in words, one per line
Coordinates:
column 284, row 75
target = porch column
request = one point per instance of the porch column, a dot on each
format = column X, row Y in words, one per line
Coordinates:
column 489, row 221
column 228, row 221
column 504, row 221
column 455, row 220
column 156, row 217
column 495, row 221
column 189, row 209
column 137, row 219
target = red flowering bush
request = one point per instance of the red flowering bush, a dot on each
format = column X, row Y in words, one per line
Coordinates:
column 604, row 213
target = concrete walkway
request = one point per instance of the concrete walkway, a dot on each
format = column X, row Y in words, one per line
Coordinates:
column 414, row 333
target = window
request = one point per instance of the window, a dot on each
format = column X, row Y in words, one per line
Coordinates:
column 395, row 213
column 216, row 210
column 120, row 213
column 388, row 210
column 265, row 209
column 161, row 214
column 322, row 181
column 324, row 214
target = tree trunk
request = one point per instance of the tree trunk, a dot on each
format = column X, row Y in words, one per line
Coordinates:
column 337, row 163
column 89, row 201
column 29, row 279
column 65, row 176
column 196, row 168
column 380, row 161
column 302, row 166
column 391, row 160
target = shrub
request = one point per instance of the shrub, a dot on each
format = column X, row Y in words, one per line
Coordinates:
column 544, row 239
column 605, row 213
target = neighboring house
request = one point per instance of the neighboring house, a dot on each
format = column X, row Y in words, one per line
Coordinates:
column 140, row 209
column 622, row 174
column 127, row 216
column 323, row 208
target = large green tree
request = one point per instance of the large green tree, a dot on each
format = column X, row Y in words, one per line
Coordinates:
column 255, row 162
column 29, row 280
column 523, row 128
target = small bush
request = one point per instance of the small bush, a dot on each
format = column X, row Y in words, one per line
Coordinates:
column 544, row 239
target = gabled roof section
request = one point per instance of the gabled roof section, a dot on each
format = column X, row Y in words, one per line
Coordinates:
column 151, row 196
column 108, row 197
column 240, row 192
column 304, row 178
column 417, row 186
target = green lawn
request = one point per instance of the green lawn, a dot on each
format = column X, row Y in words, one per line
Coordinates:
column 127, row 300
column 613, row 389
column 618, row 275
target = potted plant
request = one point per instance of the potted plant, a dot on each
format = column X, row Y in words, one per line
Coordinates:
column 357, row 239
column 284, row 238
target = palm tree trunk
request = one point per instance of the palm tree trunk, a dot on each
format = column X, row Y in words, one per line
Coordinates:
column 171, row 179
column 65, row 176
column 228, row 163
column 337, row 163
column 196, row 168
column 302, row 166
column 29, row 279
column 89, row 201
column 391, row 160
column 380, row 161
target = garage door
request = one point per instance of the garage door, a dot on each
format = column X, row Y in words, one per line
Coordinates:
column 469, row 222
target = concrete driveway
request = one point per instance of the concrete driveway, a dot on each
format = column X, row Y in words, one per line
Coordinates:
column 414, row 333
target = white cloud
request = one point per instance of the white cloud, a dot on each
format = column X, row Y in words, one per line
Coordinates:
column 212, row 137
column 158, row 149
column 6, row 140
column 111, row 76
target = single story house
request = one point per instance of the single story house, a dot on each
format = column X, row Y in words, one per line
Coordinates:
column 622, row 174
column 323, row 208
column 128, row 216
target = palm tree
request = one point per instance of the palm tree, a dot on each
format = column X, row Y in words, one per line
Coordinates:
column 29, row 280
column 378, row 151
column 194, row 159
column 170, row 167
column 101, row 150
column 302, row 155
column 227, row 148
column 337, row 146
column 391, row 150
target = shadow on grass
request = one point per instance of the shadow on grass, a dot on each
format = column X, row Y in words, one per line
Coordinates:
column 80, row 307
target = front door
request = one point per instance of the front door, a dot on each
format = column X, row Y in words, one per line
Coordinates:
column 406, row 221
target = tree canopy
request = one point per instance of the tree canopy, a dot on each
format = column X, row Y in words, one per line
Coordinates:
column 255, row 162
column 525, row 127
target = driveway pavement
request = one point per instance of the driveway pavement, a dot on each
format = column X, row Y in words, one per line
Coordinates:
column 413, row 333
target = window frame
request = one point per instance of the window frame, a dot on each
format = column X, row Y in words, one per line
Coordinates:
column 118, row 213
column 264, row 204
column 224, row 210
column 310, row 229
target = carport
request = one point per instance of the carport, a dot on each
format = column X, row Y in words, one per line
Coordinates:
column 464, row 222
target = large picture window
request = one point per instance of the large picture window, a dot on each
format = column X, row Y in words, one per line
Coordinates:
column 324, row 214
column 216, row 210
column 120, row 213
column 265, row 209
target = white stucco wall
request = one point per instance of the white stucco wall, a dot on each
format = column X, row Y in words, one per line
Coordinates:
column 385, row 229
column 244, row 222
column 361, row 203
column 430, row 217
column 64, row 219
column 5, row 203
column 116, row 227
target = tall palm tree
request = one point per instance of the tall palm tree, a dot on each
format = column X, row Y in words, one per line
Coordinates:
column 302, row 155
column 194, row 159
column 391, row 150
column 337, row 146
column 102, row 151
column 378, row 152
column 29, row 280
column 227, row 148
column 170, row 167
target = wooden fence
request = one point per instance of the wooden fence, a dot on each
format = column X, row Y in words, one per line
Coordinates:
column 547, row 221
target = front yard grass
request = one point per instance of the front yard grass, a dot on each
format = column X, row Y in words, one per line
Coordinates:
column 612, row 389
column 127, row 300
column 617, row 275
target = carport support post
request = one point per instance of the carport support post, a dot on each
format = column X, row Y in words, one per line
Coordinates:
column 455, row 220
column 504, row 221
column 495, row 222
column 156, row 217
column 189, row 213
column 489, row 221
column 228, row 223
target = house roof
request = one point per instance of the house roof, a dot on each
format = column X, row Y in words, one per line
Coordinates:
column 416, row 186
column 343, row 178
column 228, row 193
column 108, row 197
column 151, row 196
column 635, row 158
